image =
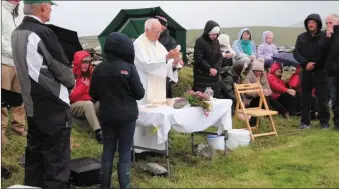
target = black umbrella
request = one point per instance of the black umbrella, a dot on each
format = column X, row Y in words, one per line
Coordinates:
column 69, row 40
column 286, row 58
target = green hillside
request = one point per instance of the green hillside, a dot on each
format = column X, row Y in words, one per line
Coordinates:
column 285, row 36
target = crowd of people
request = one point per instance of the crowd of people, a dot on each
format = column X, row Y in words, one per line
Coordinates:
column 136, row 73
column 306, row 93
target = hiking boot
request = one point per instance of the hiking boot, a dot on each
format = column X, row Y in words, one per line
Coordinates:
column 98, row 136
column 124, row 175
column 304, row 126
column 325, row 126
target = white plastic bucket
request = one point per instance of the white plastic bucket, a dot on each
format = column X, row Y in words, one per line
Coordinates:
column 216, row 142
column 237, row 138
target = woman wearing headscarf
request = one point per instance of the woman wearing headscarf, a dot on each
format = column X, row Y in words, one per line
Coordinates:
column 244, row 44
column 226, row 50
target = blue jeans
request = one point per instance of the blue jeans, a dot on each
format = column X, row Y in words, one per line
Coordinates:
column 121, row 135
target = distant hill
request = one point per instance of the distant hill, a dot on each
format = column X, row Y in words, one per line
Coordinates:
column 284, row 36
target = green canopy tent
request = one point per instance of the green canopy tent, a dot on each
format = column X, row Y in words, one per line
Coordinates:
column 131, row 22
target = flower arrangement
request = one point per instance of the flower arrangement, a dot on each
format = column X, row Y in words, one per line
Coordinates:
column 197, row 99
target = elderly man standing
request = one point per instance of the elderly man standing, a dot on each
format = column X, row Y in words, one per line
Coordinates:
column 311, row 51
column 332, row 64
column 330, row 22
column 154, row 63
column 46, row 78
column 9, row 78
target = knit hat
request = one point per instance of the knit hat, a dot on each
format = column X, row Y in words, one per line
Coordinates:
column 215, row 30
column 258, row 64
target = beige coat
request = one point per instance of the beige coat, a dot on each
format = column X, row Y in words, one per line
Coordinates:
column 251, row 78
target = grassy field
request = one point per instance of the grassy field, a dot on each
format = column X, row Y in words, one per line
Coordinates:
column 301, row 159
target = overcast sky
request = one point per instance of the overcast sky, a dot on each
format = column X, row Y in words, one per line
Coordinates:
column 91, row 17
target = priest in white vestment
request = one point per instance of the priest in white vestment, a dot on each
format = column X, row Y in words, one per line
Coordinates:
column 153, row 63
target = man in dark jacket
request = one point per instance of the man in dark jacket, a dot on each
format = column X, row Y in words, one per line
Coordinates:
column 46, row 78
column 311, row 51
column 117, row 87
column 332, row 63
column 207, row 59
column 169, row 43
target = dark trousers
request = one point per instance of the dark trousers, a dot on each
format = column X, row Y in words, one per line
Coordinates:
column 47, row 158
column 332, row 88
column 168, row 88
column 319, row 80
column 335, row 103
column 271, row 102
column 291, row 103
column 119, row 135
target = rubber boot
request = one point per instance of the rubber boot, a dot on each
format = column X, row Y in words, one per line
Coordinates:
column 124, row 175
column 106, row 175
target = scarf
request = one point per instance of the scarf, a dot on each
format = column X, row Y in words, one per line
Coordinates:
column 246, row 46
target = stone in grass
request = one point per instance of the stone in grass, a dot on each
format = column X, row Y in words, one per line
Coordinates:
column 206, row 151
column 153, row 168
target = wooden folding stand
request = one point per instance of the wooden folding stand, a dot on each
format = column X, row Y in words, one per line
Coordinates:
column 256, row 111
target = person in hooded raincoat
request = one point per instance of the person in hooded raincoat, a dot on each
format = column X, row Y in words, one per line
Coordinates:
column 267, row 49
column 245, row 44
column 207, row 59
column 230, row 75
column 82, row 103
column 116, row 85
column 311, row 51
column 226, row 50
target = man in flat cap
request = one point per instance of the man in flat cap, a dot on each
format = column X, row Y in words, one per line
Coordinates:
column 46, row 78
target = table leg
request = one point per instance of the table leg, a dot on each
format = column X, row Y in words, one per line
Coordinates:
column 167, row 159
column 192, row 142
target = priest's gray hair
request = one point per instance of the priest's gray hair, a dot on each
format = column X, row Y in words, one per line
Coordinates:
column 334, row 16
column 30, row 9
column 149, row 23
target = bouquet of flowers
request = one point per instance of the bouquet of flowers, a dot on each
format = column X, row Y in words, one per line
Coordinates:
column 197, row 99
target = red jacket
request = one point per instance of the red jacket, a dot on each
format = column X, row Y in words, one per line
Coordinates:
column 80, row 91
column 277, row 85
column 294, row 81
